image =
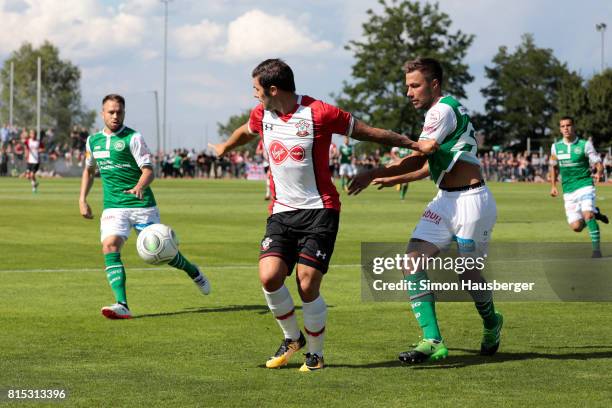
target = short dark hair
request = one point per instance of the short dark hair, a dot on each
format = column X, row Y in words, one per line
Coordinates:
column 114, row 97
column 429, row 67
column 275, row 72
column 566, row 118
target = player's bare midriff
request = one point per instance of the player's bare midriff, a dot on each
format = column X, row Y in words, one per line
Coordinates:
column 463, row 174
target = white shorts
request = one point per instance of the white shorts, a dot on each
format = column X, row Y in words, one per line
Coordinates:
column 467, row 217
column 120, row 221
column 578, row 202
column 347, row 170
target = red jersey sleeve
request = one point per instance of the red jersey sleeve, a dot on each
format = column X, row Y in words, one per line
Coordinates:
column 255, row 120
column 336, row 120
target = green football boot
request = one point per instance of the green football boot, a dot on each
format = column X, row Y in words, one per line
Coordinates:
column 492, row 337
column 426, row 350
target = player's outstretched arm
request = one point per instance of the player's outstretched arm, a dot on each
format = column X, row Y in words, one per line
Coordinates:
column 364, row 132
column 145, row 180
column 409, row 164
column 239, row 137
column 404, row 178
column 553, row 181
column 87, row 180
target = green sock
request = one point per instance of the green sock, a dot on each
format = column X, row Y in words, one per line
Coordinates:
column 115, row 273
column 594, row 233
column 486, row 310
column 403, row 191
column 180, row 262
column 343, row 182
column 424, row 307
column 483, row 300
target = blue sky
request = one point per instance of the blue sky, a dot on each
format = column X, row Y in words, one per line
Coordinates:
column 213, row 46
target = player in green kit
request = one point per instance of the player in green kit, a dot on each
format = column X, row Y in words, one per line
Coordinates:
column 463, row 211
column 571, row 157
column 124, row 161
column 398, row 153
column 347, row 169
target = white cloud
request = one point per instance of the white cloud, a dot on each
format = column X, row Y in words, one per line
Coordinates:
column 80, row 28
column 194, row 40
column 256, row 34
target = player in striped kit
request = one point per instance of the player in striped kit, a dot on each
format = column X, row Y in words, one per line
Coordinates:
column 347, row 169
column 464, row 209
column 572, row 157
column 126, row 170
column 296, row 131
column 33, row 149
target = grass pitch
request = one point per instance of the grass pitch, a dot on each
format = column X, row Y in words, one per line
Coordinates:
column 183, row 349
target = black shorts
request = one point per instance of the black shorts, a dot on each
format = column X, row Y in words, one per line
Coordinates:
column 33, row 167
column 302, row 236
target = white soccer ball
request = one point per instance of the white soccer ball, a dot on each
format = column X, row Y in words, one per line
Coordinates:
column 157, row 243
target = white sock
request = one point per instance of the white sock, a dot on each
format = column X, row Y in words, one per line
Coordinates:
column 282, row 307
column 267, row 187
column 315, row 316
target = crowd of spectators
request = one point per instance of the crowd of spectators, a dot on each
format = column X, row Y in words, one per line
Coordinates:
column 12, row 149
column 189, row 163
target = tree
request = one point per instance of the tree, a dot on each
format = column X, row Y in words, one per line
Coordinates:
column 522, row 96
column 599, row 118
column 60, row 90
column 234, row 122
column 588, row 102
column 403, row 31
column 572, row 100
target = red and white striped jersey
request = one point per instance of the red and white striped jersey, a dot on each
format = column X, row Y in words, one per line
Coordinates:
column 298, row 150
column 34, row 147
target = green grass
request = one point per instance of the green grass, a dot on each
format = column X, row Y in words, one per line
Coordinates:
column 188, row 350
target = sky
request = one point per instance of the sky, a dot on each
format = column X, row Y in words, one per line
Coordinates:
column 214, row 45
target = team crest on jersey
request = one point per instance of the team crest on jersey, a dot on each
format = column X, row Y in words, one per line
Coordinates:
column 303, row 127
column 265, row 244
column 279, row 152
column 119, row 145
column 577, row 150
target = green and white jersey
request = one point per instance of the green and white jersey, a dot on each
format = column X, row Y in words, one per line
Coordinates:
column 574, row 161
column 448, row 123
column 401, row 152
column 119, row 157
column 346, row 154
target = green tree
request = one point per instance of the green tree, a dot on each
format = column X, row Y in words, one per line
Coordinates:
column 588, row 102
column 522, row 96
column 572, row 100
column 234, row 122
column 60, row 90
column 403, row 31
column 599, row 118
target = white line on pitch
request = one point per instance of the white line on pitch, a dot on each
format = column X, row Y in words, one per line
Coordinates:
column 254, row 266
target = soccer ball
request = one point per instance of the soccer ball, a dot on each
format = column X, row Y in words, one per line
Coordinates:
column 157, row 243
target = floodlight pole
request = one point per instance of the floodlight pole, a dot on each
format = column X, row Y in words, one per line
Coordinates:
column 38, row 81
column 11, row 81
column 601, row 27
column 165, row 69
column 157, row 120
